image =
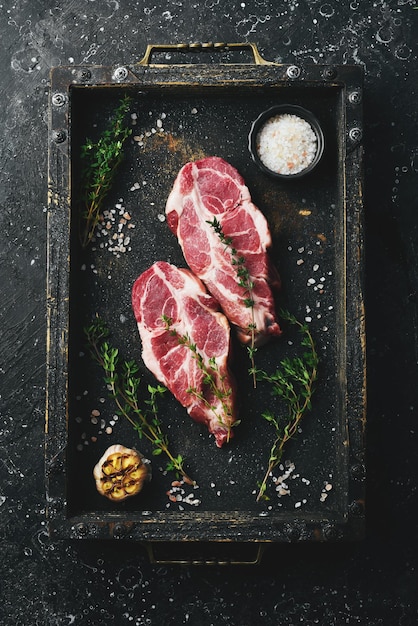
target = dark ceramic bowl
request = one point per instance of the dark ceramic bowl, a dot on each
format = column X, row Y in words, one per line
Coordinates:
column 281, row 109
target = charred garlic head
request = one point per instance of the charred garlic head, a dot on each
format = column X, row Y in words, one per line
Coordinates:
column 121, row 472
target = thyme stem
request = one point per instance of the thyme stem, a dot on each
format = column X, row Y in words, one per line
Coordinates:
column 244, row 281
column 294, row 382
column 100, row 162
column 123, row 384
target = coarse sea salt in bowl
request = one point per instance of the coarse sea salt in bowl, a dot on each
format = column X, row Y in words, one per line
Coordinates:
column 286, row 141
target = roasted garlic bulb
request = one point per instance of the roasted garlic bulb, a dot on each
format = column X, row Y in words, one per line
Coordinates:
column 121, row 472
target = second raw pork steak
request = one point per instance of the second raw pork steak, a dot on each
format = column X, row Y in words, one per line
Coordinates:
column 186, row 344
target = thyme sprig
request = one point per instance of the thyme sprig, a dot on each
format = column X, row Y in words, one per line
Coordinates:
column 244, row 281
column 294, row 383
column 100, row 162
column 123, row 383
column 212, row 378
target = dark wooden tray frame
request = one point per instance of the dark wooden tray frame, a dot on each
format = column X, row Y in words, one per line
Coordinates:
column 208, row 527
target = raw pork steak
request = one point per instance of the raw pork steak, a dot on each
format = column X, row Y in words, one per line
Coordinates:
column 212, row 188
column 184, row 338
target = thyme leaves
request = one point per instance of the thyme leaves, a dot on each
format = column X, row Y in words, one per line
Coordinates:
column 100, row 162
column 123, row 382
column 293, row 382
column 244, row 280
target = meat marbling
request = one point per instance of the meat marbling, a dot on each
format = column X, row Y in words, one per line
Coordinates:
column 212, row 188
column 170, row 305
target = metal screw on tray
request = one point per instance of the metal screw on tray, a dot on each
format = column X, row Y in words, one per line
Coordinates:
column 355, row 97
column 119, row 531
column 82, row 530
column 84, row 74
column 59, row 136
column 58, row 99
column 120, row 73
column 329, row 73
column 293, row 71
column 355, row 134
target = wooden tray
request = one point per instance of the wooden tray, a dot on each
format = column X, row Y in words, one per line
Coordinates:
column 198, row 100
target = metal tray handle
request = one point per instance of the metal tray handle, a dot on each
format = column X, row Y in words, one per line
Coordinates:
column 201, row 553
column 197, row 47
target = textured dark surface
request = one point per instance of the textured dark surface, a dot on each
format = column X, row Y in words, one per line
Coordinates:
column 51, row 582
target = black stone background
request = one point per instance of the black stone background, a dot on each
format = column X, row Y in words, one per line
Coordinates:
column 51, row 583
